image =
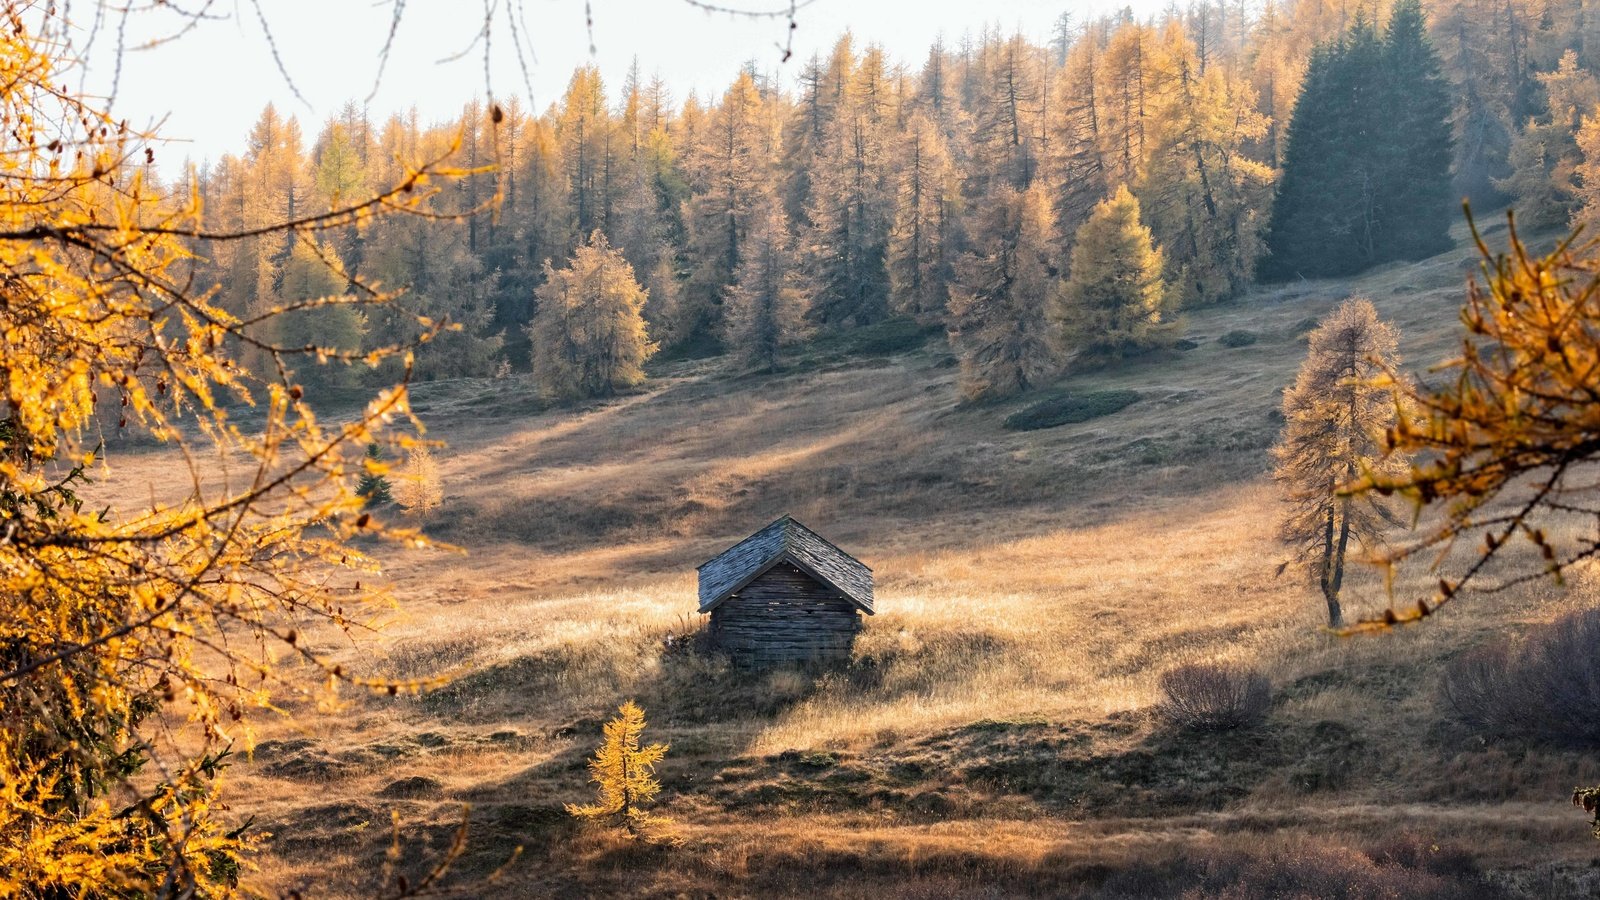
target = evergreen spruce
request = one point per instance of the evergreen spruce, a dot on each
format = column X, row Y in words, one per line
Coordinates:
column 1421, row 198
column 1299, row 217
column 1366, row 171
column 374, row 485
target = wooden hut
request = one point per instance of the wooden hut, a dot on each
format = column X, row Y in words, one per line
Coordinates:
column 785, row 595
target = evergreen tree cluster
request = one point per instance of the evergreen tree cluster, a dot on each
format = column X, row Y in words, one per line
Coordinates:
column 1366, row 167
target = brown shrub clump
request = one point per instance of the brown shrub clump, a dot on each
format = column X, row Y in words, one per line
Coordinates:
column 1214, row 696
column 1545, row 688
column 1303, row 871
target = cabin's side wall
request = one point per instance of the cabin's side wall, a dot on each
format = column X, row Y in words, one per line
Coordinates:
column 785, row 616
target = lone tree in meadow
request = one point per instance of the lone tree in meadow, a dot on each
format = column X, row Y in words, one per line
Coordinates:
column 1115, row 302
column 1507, row 445
column 420, row 490
column 588, row 335
column 1335, row 416
column 624, row 774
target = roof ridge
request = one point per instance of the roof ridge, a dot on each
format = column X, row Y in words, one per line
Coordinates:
column 803, row 527
column 751, row 536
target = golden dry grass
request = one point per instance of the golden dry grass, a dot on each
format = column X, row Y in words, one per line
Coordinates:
column 993, row 729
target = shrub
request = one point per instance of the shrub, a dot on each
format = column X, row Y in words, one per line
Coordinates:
column 887, row 338
column 1545, row 688
column 1237, row 338
column 1214, row 697
column 1272, row 870
column 1067, row 409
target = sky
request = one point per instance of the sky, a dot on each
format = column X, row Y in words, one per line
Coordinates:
column 204, row 89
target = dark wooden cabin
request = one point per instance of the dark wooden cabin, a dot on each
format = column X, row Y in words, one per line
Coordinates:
column 785, row 595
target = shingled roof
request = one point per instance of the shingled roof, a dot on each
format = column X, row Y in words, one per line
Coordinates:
column 784, row 540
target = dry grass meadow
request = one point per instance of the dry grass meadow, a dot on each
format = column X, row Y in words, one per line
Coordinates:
column 993, row 736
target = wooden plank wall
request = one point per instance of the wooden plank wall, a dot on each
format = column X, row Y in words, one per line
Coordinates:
column 785, row 616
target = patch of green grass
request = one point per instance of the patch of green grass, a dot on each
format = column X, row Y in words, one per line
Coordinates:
column 886, row 338
column 812, row 760
column 1020, row 723
column 1067, row 409
column 1238, row 338
column 701, row 346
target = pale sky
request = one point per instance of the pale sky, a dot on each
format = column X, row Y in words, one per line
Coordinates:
column 211, row 84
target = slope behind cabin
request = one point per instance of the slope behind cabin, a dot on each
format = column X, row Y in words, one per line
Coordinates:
column 785, row 595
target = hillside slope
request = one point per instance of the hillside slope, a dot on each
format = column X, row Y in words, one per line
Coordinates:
column 878, row 450
column 993, row 734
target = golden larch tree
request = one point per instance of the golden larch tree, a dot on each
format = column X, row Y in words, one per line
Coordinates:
column 1545, row 157
column 765, row 307
column 1115, row 301
column 923, row 236
column 624, row 774
column 1335, row 416
column 1508, row 444
column 997, row 306
column 135, row 640
column 420, row 489
column 588, row 335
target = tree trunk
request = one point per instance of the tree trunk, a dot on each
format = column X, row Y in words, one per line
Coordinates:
column 627, row 796
column 1335, row 618
column 1326, row 581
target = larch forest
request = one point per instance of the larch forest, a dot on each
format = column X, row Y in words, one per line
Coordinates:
column 1137, row 453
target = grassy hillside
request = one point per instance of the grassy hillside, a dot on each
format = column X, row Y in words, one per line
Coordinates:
column 993, row 735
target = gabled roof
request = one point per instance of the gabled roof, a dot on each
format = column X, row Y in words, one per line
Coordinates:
column 784, row 541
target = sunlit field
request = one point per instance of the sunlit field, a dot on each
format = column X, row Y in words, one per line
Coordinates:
column 994, row 732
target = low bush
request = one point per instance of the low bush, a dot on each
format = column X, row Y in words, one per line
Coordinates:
column 887, row 338
column 1237, row 338
column 890, row 337
column 1303, row 870
column 1544, row 688
column 1214, row 697
column 1067, row 409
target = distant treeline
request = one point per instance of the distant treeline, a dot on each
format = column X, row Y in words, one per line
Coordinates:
column 953, row 191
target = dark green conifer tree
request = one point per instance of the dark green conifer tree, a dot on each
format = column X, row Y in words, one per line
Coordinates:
column 1300, row 218
column 1421, row 199
column 1366, row 170
column 374, row 486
